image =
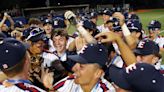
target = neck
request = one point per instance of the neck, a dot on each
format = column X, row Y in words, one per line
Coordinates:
column 21, row 76
column 60, row 53
column 89, row 87
column 48, row 35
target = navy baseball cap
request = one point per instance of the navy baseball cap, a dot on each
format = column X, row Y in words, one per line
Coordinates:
column 2, row 35
column 93, row 15
column 19, row 24
column 89, row 25
column 147, row 47
column 134, row 26
column 133, row 17
column 154, row 25
column 108, row 12
column 91, row 53
column 34, row 34
column 47, row 21
column 116, row 26
column 145, row 78
column 59, row 22
column 12, row 52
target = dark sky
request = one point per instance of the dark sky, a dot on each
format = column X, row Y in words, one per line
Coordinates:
column 41, row 3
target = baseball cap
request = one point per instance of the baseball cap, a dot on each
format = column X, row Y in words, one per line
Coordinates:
column 47, row 21
column 154, row 25
column 116, row 26
column 134, row 26
column 133, row 17
column 2, row 35
column 19, row 24
column 59, row 22
column 93, row 15
column 147, row 47
column 89, row 25
column 145, row 78
column 108, row 12
column 91, row 53
column 12, row 52
column 34, row 34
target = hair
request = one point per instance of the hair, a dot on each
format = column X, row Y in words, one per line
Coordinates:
column 59, row 32
column 34, row 21
column 16, row 69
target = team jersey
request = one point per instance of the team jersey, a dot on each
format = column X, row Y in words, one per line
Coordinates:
column 160, row 41
column 68, row 85
column 20, row 87
column 102, row 28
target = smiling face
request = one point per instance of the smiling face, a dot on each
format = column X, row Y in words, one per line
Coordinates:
column 60, row 43
column 105, row 18
column 153, row 33
column 87, row 74
column 48, row 28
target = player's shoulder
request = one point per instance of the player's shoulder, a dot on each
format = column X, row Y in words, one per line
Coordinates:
column 106, row 85
column 29, row 87
column 62, row 82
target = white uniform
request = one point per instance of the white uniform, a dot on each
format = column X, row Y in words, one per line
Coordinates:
column 160, row 41
column 68, row 85
column 117, row 60
column 102, row 28
column 49, row 57
column 20, row 87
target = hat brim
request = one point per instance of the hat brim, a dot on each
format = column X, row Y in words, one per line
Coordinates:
column 118, row 76
column 78, row 59
column 138, row 52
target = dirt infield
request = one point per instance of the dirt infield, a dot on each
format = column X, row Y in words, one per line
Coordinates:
column 141, row 11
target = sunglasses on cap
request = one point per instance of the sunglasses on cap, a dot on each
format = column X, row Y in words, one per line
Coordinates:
column 35, row 32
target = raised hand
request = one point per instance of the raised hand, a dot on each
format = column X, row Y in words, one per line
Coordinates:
column 119, row 16
column 107, row 37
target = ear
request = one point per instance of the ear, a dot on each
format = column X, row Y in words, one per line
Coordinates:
column 138, row 58
column 155, row 60
column 99, row 73
column 138, row 34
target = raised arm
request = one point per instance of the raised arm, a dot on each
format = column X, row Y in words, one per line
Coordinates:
column 130, row 39
column 126, row 52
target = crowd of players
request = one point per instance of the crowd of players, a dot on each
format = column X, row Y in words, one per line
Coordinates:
column 116, row 56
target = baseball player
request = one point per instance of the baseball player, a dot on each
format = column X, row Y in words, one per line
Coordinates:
column 15, row 63
column 89, row 72
column 106, row 15
column 35, row 38
column 154, row 30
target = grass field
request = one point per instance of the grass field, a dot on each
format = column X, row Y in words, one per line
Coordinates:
column 145, row 16
column 155, row 14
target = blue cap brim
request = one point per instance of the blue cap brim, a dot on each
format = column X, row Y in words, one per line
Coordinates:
column 78, row 59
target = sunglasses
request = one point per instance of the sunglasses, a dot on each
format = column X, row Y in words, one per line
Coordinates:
column 35, row 32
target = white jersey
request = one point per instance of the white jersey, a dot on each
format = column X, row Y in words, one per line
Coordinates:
column 102, row 28
column 117, row 60
column 160, row 41
column 116, row 48
column 20, row 87
column 68, row 85
column 50, row 57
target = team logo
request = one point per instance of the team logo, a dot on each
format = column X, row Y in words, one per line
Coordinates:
column 141, row 44
column 83, row 49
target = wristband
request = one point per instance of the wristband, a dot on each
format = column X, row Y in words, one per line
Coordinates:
column 125, row 30
column 82, row 30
